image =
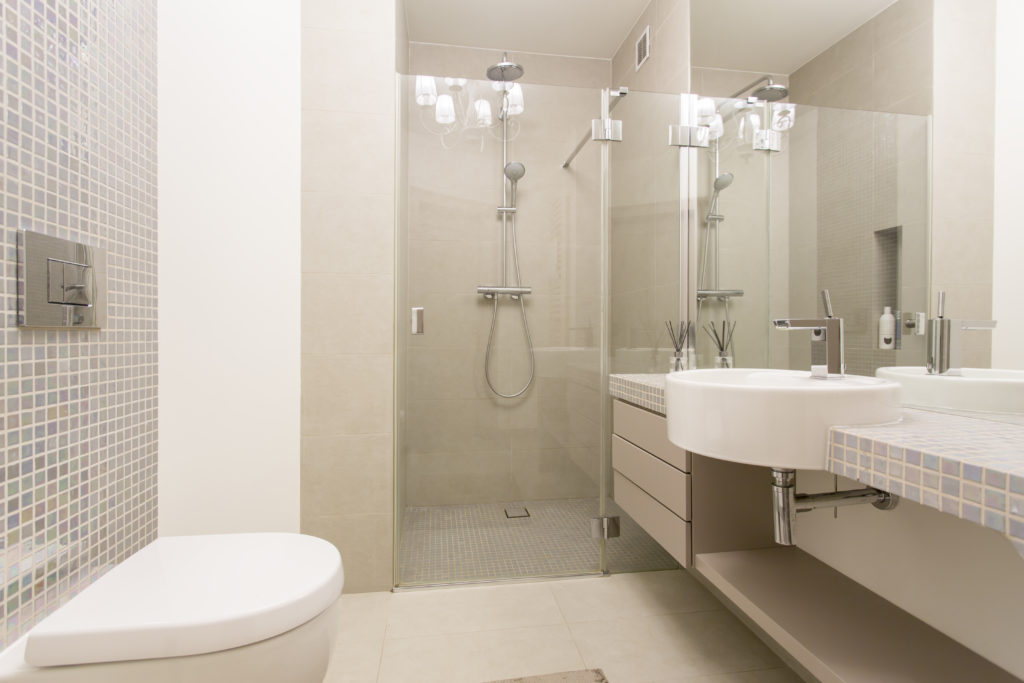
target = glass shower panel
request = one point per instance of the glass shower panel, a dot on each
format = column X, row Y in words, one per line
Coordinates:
column 645, row 234
column 734, row 210
column 647, row 228
column 490, row 487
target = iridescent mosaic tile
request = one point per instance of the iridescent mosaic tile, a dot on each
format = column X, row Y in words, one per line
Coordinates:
column 78, row 429
column 968, row 467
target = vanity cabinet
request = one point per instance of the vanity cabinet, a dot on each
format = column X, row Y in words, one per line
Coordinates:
column 686, row 502
column 651, row 478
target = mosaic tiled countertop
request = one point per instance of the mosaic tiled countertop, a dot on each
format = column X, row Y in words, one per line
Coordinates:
column 646, row 391
column 965, row 466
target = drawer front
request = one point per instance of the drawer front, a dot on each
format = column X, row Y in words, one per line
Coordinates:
column 649, row 431
column 666, row 484
column 664, row 527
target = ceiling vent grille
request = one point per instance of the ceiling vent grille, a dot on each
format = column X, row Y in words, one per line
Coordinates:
column 643, row 47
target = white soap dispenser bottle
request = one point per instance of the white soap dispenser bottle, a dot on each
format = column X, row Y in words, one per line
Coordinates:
column 887, row 330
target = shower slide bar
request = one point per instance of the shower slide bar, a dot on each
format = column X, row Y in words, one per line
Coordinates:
column 617, row 93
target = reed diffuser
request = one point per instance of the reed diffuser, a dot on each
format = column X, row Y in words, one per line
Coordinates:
column 723, row 342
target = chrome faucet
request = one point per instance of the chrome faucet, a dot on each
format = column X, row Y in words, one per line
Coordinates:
column 828, row 329
column 945, row 340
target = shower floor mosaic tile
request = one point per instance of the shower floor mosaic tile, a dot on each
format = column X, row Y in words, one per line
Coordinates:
column 458, row 543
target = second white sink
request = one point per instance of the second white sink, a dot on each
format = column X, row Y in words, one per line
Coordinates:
column 997, row 391
column 775, row 418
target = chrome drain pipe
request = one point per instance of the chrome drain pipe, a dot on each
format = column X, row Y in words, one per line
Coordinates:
column 786, row 502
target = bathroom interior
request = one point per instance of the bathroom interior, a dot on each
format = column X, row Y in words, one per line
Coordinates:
column 527, row 329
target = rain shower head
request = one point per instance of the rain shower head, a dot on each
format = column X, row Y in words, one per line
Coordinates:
column 514, row 170
column 505, row 70
column 770, row 92
column 773, row 92
column 721, row 182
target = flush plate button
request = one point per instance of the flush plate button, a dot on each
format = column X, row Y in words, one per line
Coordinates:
column 64, row 282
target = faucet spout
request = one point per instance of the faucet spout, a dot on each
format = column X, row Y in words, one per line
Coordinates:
column 945, row 341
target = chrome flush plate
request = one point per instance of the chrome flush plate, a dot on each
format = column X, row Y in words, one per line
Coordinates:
column 63, row 283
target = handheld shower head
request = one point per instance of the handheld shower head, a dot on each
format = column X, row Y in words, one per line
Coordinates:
column 723, row 181
column 514, row 170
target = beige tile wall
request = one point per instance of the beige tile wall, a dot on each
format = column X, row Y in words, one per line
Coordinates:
column 885, row 65
column 348, row 189
column 667, row 70
column 462, row 443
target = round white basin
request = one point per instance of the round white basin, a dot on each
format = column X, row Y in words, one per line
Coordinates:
column 775, row 418
column 996, row 391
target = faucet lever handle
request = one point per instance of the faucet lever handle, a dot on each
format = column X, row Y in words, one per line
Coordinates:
column 826, row 298
column 976, row 324
column 940, row 312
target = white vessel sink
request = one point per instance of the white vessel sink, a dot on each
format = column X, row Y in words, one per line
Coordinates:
column 776, row 418
column 997, row 391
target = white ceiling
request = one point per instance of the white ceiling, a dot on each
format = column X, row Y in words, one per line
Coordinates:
column 582, row 28
column 775, row 36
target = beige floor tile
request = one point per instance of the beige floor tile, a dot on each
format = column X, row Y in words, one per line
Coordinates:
column 357, row 648
column 630, row 595
column 482, row 656
column 472, row 609
column 656, row 648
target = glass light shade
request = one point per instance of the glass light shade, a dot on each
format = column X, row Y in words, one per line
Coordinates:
column 483, row 113
column 426, row 91
column 444, row 111
column 455, row 83
column 515, row 100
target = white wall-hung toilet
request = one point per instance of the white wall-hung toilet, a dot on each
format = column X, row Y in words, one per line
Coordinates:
column 235, row 607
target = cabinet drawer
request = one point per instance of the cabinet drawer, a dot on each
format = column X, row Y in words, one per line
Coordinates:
column 666, row 484
column 664, row 527
column 649, row 431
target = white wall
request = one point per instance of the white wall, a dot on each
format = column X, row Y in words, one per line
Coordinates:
column 229, row 192
column 1008, row 238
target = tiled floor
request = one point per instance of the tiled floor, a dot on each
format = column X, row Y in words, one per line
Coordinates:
column 652, row 627
column 455, row 543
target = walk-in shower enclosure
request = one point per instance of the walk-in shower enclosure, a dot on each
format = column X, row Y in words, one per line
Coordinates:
column 466, row 457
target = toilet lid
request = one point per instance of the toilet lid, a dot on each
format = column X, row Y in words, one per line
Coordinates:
column 186, row 595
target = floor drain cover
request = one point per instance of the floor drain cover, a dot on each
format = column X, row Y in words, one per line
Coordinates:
column 516, row 510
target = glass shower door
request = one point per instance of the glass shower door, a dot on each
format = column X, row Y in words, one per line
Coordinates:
column 490, row 487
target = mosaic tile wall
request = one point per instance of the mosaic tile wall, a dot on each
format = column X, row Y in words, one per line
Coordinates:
column 78, row 430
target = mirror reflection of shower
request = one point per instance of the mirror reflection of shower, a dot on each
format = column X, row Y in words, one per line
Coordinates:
column 503, row 73
column 757, row 125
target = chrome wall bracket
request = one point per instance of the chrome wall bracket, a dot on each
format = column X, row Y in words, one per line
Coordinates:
column 604, row 527
column 767, row 140
column 786, row 502
column 689, row 136
column 606, row 130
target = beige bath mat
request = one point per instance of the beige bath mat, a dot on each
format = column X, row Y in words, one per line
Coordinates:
column 589, row 676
